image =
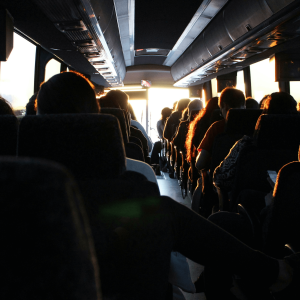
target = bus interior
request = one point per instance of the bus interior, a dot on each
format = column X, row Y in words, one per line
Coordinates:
column 156, row 52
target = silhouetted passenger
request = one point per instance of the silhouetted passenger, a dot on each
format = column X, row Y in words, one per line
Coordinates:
column 280, row 103
column 251, row 103
column 198, row 127
column 5, row 108
column 174, row 119
column 67, row 93
column 131, row 111
column 165, row 113
column 262, row 101
column 31, row 105
column 229, row 98
column 119, row 99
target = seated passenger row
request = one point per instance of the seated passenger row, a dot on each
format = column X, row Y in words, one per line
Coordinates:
column 134, row 230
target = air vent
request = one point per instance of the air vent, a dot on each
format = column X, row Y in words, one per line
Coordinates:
column 98, row 63
column 71, row 26
column 92, row 55
column 86, row 44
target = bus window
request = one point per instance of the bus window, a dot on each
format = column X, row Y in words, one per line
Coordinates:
column 17, row 73
column 240, row 84
column 214, row 87
column 263, row 79
column 295, row 90
column 52, row 68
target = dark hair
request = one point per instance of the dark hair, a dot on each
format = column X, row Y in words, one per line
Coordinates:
column 251, row 103
column 5, row 107
column 165, row 113
column 31, row 105
column 233, row 97
column 262, row 101
column 131, row 111
column 67, row 92
column 280, row 103
column 182, row 104
column 119, row 98
column 200, row 123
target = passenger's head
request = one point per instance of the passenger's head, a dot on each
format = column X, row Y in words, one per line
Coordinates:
column 182, row 104
column 5, row 108
column 131, row 111
column 231, row 98
column 31, row 106
column 117, row 97
column 67, row 92
column 262, row 101
column 195, row 105
column 251, row 103
column 165, row 113
column 280, row 103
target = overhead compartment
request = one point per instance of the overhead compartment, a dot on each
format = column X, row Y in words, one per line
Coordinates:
column 235, row 20
column 216, row 36
column 277, row 5
column 199, row 51
column 239, row 19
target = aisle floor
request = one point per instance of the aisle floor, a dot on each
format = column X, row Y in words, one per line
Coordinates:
column 169, row 187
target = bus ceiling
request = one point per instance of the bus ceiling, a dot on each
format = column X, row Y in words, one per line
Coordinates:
column 117, row 42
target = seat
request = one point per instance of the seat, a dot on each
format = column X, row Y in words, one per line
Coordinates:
column 8, row 135
column 90, row 145
column 278, row 131
column 283, row 225
column 47, row 248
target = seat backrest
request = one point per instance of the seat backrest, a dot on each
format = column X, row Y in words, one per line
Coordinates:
column 119, row 114
column 284, row 223
column 252, row 166
column 134, row 151
column 90, row 145
column 46, row 244
column 278, row 131
column 8, row 135
column 242, row 121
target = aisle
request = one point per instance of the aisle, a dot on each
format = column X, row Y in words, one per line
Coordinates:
column 169, row 187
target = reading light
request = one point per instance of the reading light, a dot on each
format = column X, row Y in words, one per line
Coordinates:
column 71, row 26
column 87, row 43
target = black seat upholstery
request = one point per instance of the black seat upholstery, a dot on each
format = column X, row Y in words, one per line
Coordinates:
column 240, row 122
column 8, row 135
column 284, row 223
column 46, row 248
column 119, row 114
column 252, row 167
column 278, row 131
column 90, row 145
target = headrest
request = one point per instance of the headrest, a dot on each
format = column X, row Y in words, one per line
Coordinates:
column 242, row 121
column 119, row 113
column 278, row 131
column 216, row 116
column 8, row 134
column 193, row 114
column 90, row 145
column 46, row 246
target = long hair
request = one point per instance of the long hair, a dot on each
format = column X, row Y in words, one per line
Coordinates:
column 201, row 121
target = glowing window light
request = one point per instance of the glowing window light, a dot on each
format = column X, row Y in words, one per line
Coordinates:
column 240, row 84
column 158, row 99
column 52, row 68
column 17, row 73
column 263, row 79
column 214, row 87
column 295, row 90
